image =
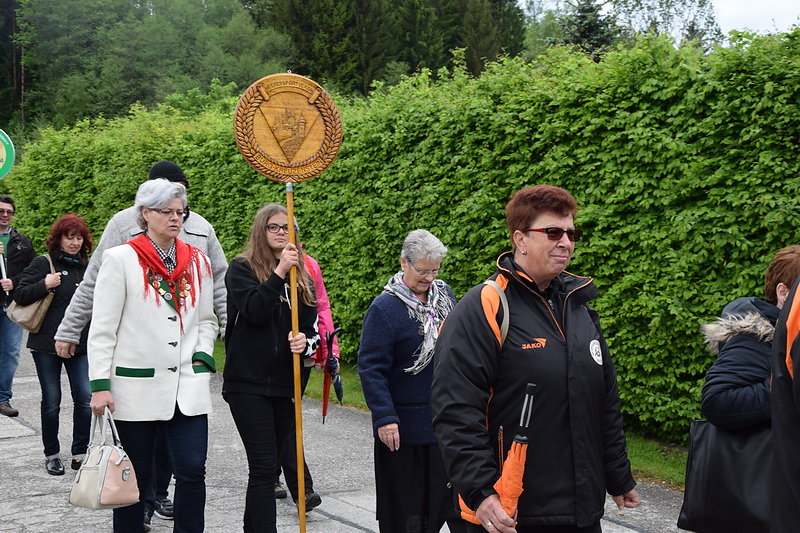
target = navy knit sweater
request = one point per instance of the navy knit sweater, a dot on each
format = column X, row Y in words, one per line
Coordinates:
column 389, row 338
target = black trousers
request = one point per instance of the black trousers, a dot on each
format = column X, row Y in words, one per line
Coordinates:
column 595, row 528
column 186, row 440
column 161, row 475
column 289, row 454
column 264, row 423
column 412, row 491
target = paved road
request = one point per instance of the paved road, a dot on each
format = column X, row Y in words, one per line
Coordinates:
column 339, row 455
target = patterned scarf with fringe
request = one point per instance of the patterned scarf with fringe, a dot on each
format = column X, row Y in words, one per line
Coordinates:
column 430, row 314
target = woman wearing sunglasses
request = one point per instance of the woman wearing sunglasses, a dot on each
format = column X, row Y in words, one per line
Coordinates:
column 576, row 450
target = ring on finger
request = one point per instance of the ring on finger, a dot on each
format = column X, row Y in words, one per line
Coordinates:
column 489, row 524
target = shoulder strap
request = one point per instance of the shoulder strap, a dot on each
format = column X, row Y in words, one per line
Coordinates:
column 504, row 303
column 50, row 260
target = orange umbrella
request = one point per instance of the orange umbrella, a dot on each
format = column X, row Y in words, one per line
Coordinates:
column 509, row 486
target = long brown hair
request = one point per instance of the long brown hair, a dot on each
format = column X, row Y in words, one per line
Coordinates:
column 261, row 258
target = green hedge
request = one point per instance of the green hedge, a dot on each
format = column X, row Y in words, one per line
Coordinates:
column 685, row 166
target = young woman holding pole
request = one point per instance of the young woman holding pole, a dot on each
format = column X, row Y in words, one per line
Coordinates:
column 258, row 377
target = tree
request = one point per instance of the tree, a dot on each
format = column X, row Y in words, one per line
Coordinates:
column 588, row 29
column 419, row 42
column 510, row 25
column 89, row 57
column 479, row 35
column 684, row 20
column 10, row 63
column 543, row 27
column 449, row 19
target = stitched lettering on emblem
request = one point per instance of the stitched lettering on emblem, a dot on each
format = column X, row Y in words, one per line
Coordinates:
column 537, row 343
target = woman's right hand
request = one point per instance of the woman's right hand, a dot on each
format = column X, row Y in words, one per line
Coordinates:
column 51, row 281
column 390, row 436
column 100, row 400
column 289, row 257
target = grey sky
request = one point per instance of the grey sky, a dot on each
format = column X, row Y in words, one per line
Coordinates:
column 757, row 15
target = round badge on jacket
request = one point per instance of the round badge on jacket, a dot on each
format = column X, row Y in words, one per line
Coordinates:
column 596, row 352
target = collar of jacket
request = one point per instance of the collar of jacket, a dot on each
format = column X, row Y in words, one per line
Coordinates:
column 580, row 287
column 13, row 234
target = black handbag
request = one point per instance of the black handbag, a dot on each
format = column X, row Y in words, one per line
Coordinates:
column 728, row 477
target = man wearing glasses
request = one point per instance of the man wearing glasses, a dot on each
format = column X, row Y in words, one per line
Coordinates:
column 123, row 227
column 16, row 252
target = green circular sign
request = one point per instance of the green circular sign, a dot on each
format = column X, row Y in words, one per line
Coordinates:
column 7, row 154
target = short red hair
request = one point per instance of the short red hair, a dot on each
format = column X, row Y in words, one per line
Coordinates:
column 528, row 203
column 784, row 268
column 67, row 225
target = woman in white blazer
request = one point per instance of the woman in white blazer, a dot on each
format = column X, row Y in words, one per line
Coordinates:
column 150, row 344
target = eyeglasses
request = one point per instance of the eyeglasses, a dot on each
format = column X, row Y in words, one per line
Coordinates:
column 275, row 228
column 554, row 233
column 8, row 212
column 425, row 271
column 170, row 212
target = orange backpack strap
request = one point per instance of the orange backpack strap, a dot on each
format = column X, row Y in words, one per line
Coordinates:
column 504, row 304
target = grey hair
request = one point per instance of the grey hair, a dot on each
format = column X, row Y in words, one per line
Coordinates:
column 422, row 244
column 157, row 194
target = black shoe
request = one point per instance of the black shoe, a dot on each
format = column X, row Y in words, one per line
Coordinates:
column 7, row 410
column 76, row 464
column 312, row 500
column 280, row 492
column 163, row 509
column 54, row 467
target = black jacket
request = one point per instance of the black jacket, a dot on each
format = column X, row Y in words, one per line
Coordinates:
column 785, row 515
column 736, row 391
column 577, row 448
column 258, row 357
column 31, row 289
column 19, row 254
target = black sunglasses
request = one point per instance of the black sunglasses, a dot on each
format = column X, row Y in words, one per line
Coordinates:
column 555, row 233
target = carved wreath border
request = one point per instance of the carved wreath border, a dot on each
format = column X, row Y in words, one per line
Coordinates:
column 245, row 137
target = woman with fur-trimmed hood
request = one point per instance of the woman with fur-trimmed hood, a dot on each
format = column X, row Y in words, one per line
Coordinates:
column 736, row 394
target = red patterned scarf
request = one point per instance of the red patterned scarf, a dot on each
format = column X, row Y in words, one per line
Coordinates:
column 181, row 282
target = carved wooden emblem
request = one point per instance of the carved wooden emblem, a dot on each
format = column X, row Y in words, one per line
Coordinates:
column 287, row 127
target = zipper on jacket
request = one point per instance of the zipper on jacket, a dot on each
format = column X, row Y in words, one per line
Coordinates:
column 564, row 311
column 549, row 304
column 550, row 310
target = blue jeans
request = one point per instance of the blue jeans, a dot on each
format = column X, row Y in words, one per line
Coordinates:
column 48, row 368
column 186, row 440
column 10, row 337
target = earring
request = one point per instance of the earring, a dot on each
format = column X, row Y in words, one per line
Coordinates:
column 523, row 252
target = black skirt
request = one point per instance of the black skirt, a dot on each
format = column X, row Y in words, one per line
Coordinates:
column 412, row 490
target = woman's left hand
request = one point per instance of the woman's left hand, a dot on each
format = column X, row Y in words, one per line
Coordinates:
column 629, row 500
column 51, row 281
column 493, row 517
column 297, row 343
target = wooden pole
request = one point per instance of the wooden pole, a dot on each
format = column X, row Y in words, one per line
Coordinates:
column 298, row 397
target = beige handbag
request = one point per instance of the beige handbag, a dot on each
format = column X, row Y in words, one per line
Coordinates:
column 106, row 478
column 32, row 315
